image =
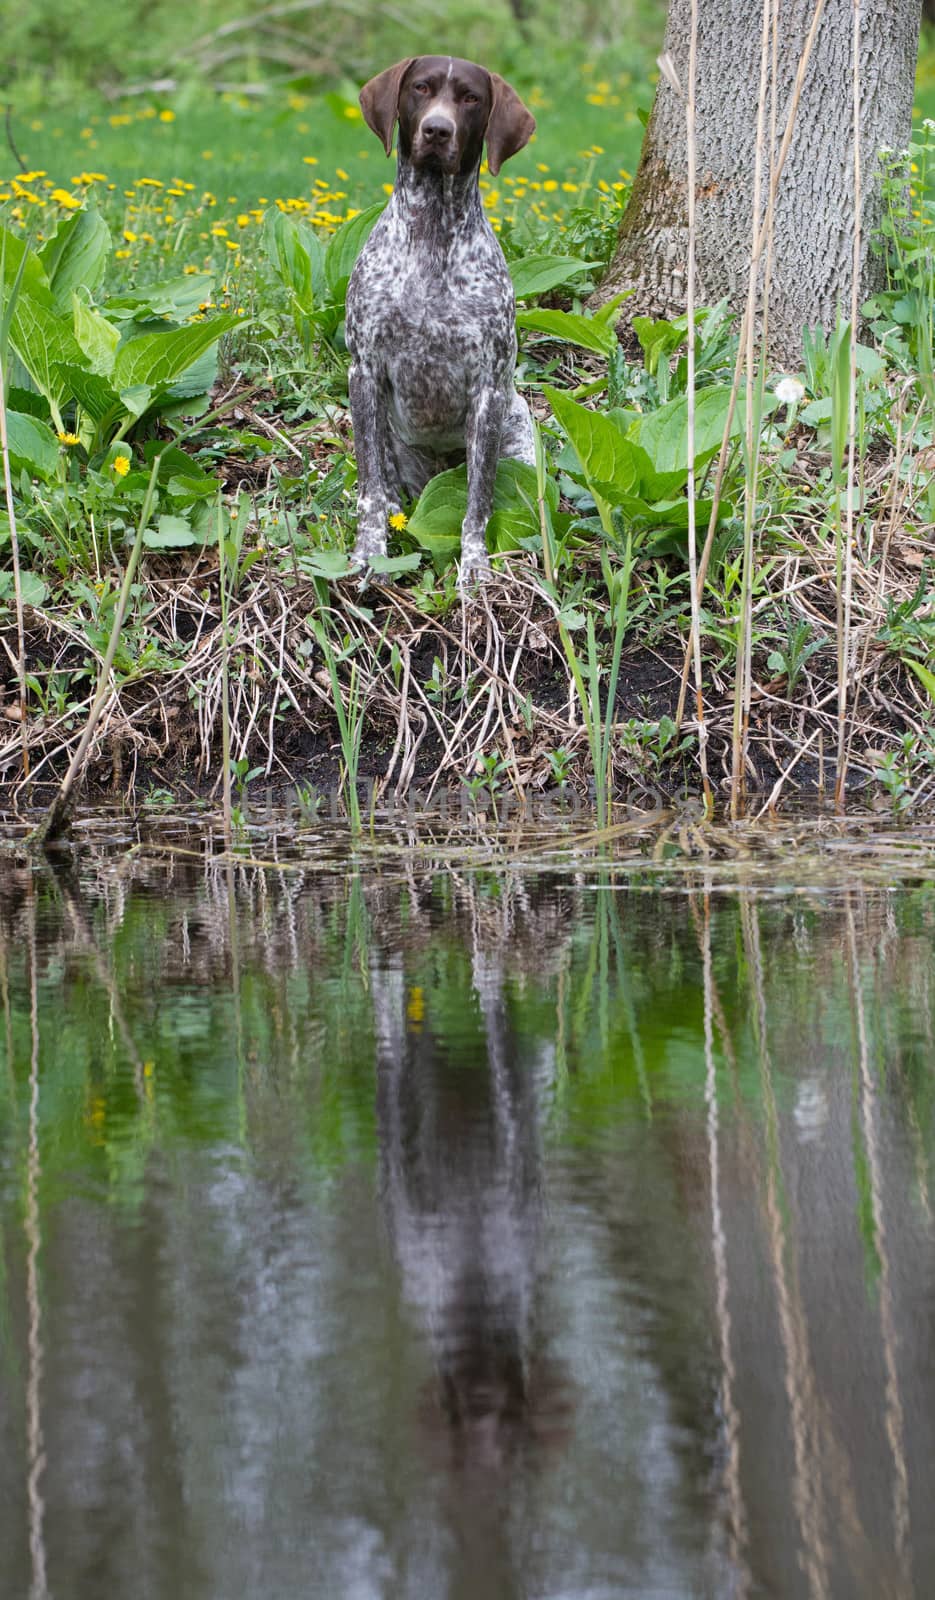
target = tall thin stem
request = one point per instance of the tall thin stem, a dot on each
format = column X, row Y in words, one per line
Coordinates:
column 751, row 443
column 692, row 151
column 844, row 607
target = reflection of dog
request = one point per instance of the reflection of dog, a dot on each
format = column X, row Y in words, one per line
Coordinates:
column 430, row 313
column 460, row 1173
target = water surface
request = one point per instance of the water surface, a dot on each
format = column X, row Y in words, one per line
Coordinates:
column 440, row 1232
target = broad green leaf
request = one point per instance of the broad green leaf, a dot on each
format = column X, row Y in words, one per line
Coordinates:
column 173, row 461
column 35, row 280
column 191, row 488
column 33, row 445
column 33, row 589
column 327, row 564
column 199, row 378
column 606, row 456
column 170, row 533
column 659, row 339
column 538, row 274
column 136, row 399
column 27, row 400
column 670, row 513
column 97, row 337
column 176, row 297
column 570, row 327
column 92, row 392
column 663, row 434
column 925, row 677
column 76, row 255
column 298, row 256
column 158, row 359
column 816, row 412
column 345, row 246
column 436, row 520
column 42, row 341
column 390, row 566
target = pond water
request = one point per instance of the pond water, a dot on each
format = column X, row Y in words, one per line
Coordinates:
column 440, row 1231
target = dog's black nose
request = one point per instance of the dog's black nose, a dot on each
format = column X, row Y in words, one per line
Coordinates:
column 437, row 130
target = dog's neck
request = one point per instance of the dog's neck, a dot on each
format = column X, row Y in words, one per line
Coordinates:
column 435, row 205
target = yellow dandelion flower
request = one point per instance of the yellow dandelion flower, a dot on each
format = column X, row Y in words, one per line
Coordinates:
column 232, row 244
column 398, row 521
column 353, row 113
column 130, row 236
column 121, row 465
column 550, row 185
column 243, row 221
column 121, row 255
column 65, row 199
column 68, row 438
column 570, row 188
column 310, row 161
column 167, row 115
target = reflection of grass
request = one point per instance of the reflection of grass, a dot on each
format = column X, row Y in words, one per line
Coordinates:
column 617, row 983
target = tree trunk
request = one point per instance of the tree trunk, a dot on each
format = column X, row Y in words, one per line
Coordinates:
column 811, row 272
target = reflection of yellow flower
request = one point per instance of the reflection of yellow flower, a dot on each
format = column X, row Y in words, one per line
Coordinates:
column 121, row 465
column 68, row 438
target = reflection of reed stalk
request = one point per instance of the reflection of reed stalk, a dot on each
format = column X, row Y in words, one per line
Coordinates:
column 807, row 1483
column 35, row 1449
column 738, row 1520
column 870, row 1132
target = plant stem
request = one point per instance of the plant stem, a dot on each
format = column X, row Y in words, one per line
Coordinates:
column 57, row 819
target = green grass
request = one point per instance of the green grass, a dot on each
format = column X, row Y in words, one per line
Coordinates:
column 249, row 152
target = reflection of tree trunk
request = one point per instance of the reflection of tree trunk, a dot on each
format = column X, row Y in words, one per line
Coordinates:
column 814, row 208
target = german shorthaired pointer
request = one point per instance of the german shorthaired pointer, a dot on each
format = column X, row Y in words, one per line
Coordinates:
column 430, row 310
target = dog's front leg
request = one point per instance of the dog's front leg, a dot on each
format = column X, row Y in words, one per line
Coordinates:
column 367, row 414
column 482, row 441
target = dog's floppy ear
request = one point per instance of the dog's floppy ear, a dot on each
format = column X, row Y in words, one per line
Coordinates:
column 510, row 125
column 379, row 101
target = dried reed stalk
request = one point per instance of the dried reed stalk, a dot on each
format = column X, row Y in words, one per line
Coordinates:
column 843, row 612
column 742, row 681
column 17, row 574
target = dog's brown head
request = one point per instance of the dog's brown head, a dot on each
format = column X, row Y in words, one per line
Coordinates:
column 446, row 109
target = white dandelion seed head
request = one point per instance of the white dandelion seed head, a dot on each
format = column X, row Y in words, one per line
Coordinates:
column 789, row 391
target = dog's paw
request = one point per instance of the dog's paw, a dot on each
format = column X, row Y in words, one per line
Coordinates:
column 474, row 569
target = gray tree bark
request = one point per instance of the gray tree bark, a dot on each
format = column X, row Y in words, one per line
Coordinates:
column 814, row 215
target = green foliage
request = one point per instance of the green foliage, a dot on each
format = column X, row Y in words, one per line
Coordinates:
column 315, row 276
column 98, row 374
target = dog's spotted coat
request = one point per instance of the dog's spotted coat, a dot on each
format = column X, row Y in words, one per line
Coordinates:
column 430, row 308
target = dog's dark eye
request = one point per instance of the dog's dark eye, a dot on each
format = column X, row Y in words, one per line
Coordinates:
column 471, row 99
column 421, row 88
